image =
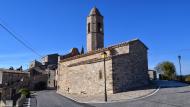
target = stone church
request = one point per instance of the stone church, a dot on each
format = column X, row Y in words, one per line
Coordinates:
column 126, row 64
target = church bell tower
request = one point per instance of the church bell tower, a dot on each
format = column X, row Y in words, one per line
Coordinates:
column 95, row 30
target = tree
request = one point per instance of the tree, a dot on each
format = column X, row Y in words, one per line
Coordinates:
column 158, row 68
column 187, row 79
column 167, row 69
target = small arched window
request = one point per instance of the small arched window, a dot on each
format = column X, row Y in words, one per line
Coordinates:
column 99, row 27
column 88, row 27
column 100, row 74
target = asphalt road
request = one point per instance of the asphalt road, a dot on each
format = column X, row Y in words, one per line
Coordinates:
column 49, row 98
column 172, row 94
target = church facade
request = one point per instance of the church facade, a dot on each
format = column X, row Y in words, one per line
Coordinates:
column 126, row 64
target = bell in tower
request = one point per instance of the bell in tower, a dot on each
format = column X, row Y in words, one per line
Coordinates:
column 95, row 30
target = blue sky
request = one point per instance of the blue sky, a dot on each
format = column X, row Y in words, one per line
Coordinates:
column 55, row 26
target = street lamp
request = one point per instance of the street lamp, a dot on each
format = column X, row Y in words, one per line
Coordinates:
column 104, row 55
column 179, row 57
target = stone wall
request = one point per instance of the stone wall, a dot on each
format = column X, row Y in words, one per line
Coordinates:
column 85, row 75
column 51, row 78
column 35, row 63
column 85, row 79
column 126, row 68
column 130, row 70
column 6, row 103
column 95, row 38
column 50, row 59
column 12, row 77
column 34, row 80
column 152, row 74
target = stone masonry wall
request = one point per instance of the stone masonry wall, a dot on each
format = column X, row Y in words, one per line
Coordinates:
column 126, row 68
column 85, row 79
column 130, row 70
column 51, row 78
column 88, row 77
column 95, row 39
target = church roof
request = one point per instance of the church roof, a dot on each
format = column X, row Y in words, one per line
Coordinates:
column 94, row 11
column 104, row 49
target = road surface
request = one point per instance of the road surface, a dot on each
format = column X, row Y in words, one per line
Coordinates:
column 49, row 98
column 172, row 94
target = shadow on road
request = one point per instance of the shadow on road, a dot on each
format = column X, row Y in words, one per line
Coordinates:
column 169, row 84
column 82, row 104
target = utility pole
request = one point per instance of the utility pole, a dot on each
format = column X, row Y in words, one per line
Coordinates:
column 104, row 55
column 179, row 57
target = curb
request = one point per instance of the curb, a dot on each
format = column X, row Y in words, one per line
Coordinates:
column 134, row 99
column 33, row 99
column 145, row 96
column 122, row 100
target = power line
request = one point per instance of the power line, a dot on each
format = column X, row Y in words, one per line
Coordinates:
column 19, row 40
column 15, row 33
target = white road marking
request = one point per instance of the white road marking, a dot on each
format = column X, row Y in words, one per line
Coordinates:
column 28, row 102
column 147, row 95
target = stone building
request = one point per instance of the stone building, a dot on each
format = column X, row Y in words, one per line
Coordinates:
column 126, row 64
column 38, row 76
column 35, row 63
column 50, row 59
column 10, row 77
column 44, row 71
column 95, row 31
column 11, row 81
column 51, row 72
column 152, row 74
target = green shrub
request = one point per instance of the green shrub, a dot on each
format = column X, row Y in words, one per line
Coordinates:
column 187, row 79
column 25, row 92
